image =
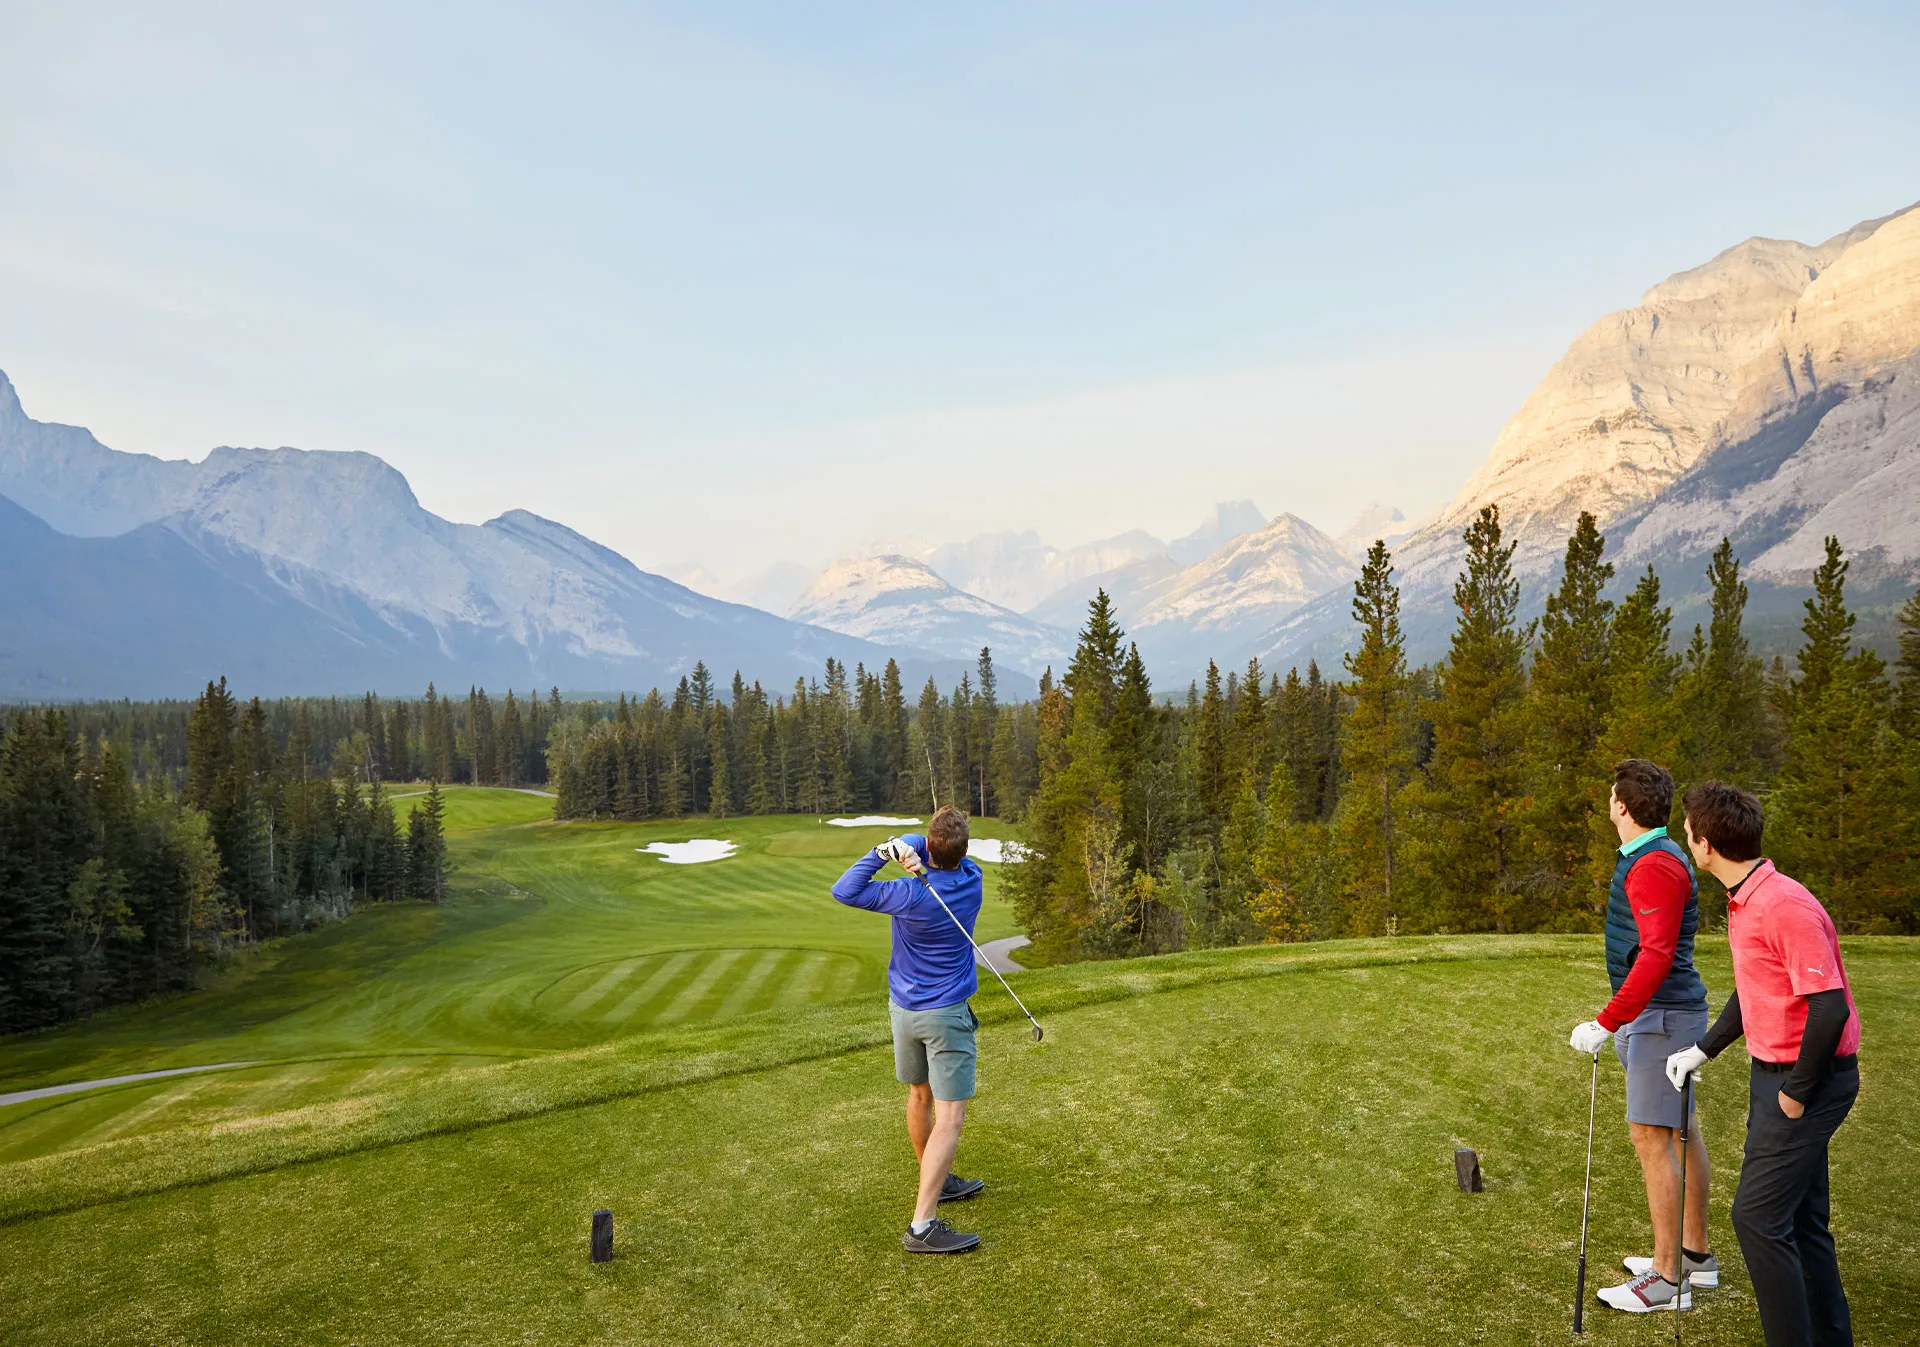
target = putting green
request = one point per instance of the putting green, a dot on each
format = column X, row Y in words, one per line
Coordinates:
column 555, row 936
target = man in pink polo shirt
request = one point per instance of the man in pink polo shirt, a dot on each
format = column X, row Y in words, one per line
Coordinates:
column 1792, row 1002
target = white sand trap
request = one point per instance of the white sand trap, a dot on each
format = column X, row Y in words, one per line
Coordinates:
column 994, row 851
column 691, row 853
column 870, row 821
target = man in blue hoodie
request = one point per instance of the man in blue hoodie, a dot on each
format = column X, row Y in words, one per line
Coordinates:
column 929, row 979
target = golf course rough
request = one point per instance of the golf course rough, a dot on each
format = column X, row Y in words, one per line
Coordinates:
column 1228, row 1146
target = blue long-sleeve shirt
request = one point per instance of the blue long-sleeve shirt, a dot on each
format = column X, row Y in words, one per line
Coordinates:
column 932, row 963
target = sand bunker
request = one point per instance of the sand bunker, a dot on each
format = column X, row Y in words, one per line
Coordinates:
column 691, row 853
column 994, row 851
column 871, row 821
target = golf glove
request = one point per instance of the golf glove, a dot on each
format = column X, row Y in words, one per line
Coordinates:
column 1590, row 1037
column 896, row 850
column 1683, row 1064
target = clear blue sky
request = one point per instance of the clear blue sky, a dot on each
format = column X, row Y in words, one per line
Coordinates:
column 695, row 278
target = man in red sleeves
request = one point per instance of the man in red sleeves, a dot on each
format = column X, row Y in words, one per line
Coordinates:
column 1659, row 1007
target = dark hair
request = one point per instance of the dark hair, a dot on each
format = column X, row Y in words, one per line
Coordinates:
column 1646, row 789
column 1728, row 817
column 947, row 837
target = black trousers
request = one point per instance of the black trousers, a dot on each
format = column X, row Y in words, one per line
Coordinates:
column 1780, row 1212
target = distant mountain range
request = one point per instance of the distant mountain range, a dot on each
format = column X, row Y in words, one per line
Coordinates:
column 1771, row 395
column 296, row 572
column 1249, row 575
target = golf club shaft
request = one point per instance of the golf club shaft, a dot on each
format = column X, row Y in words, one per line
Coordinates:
column 1586, row 1203
column 976, row 947
column 1680, row 1236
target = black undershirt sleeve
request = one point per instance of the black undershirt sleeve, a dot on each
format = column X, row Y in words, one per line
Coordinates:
column 1726, row 1030
column 1827, row 1017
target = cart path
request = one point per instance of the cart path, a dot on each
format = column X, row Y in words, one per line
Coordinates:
column 48, row 1091
column 998, row 954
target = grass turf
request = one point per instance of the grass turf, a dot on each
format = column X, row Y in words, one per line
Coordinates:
column 555, row 937
column 1249, row 1145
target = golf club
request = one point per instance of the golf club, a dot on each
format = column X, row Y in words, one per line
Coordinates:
column 1586, row 1203
column 979, row 953
column 1680, row 1239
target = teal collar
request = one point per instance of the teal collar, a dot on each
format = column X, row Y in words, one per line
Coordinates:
column 1645, row 838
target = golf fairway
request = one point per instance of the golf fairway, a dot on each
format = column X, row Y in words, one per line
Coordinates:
column 1233, row 1146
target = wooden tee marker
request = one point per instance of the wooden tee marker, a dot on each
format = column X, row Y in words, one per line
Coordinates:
column 1466, row 1169
column 602, row 1236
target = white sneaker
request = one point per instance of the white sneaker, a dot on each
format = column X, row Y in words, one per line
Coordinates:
column 1645, row 1293
column 1703, row 1274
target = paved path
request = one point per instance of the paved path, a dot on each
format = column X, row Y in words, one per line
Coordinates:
column 998, row 954
column 518, row 790
column 48, row 1091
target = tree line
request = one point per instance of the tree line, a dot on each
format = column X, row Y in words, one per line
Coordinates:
column 847, row 741
column 1469, row 795
column 141, row 845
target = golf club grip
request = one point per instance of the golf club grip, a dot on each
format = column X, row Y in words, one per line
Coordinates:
column 1580, row 1295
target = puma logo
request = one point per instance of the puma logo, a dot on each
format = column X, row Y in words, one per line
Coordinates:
column 1817, row 972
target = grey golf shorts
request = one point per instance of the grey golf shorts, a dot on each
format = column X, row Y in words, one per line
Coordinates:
column 935, row 1047
column 1643, row 1046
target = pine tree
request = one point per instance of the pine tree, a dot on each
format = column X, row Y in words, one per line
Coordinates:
column 1211, row 782
column 1072, row 889
column 1906, row 713
column 892, row 783
column 1252, row 749
column 1722, row 691
column 1373, row 751
column 986, row 720
column 1467, row 857
column 1567, row 713
column 1838, row 788
column 1644, row 720
column 720, row 799
column 427, row 848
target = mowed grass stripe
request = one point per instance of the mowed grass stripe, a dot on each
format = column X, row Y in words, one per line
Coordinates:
column 134, row 1119
column 745, row 989
column 646, row 991
column 802, row 979
column 592, row 995
column 694, row 992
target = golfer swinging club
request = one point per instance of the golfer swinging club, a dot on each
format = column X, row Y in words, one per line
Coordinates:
column 929, row 979
column 1659, row 1007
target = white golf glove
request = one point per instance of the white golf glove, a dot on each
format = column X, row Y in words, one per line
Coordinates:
column 1683, row 1064
column 900, row 852
column 1590, row 1037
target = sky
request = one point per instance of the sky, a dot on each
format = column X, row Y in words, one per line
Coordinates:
column 743, row 283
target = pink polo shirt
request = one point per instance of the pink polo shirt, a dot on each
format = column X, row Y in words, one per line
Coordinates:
column 1784, row 950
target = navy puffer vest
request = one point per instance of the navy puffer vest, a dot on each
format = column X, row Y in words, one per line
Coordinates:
column 1683, row 989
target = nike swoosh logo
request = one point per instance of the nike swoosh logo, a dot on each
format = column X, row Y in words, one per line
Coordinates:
column 1648, row 911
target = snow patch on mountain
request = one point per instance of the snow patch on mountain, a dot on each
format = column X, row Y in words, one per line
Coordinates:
column 1249, row 583
column 900, row 600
